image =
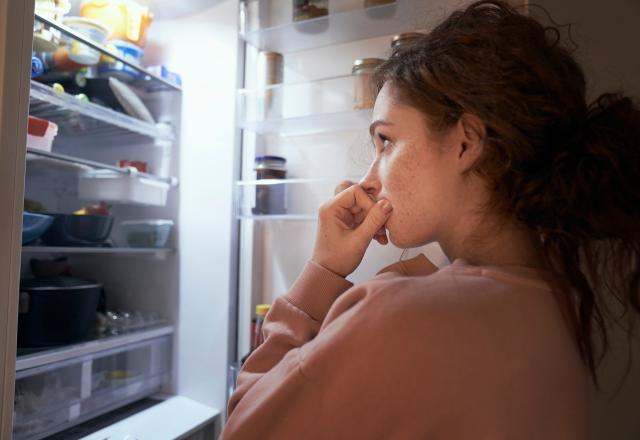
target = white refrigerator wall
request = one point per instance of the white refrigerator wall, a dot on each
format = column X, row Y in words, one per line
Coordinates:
column 201, row 47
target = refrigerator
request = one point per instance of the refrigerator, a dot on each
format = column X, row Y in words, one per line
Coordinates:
column 171, row 375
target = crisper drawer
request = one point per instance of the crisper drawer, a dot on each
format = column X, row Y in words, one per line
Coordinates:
column 57, row 396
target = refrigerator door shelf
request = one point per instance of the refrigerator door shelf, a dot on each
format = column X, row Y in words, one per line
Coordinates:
column 324, row 105
column 114, row 187
column 284, row 199
column 268, row 24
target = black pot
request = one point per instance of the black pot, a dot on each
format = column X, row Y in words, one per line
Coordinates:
column 56, row 311
column 78, row 230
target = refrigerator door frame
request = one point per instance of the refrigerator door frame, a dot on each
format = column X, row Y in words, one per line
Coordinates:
column 16, row 34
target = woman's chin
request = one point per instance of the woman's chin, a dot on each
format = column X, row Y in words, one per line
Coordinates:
column 405, row 241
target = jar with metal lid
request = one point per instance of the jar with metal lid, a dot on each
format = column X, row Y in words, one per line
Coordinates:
column 406, row 37
column 271, row 72
column 309, row 9
column 363, row 93
column 270, row 198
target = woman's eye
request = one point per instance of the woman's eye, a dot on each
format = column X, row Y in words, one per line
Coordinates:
column 384, row 141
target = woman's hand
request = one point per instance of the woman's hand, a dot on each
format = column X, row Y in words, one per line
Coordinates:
column 346, row 225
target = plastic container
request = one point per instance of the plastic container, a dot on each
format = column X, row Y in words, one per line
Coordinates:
column 81, row 53
column 258, row 337
column 147, row 233
column 47, row 39
column 41, row 133
column 109, row 67
column 34, row 225
column 115, row 187
column 126, row 19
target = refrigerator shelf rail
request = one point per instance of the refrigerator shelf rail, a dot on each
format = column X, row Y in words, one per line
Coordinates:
column 151, row 80
column 284, row 199
column 268, row 25
column 86, row 119
column 173, row 181
column 159, row 253
column 41, row 358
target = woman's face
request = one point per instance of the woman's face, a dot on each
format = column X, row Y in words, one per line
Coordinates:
column 415, row 169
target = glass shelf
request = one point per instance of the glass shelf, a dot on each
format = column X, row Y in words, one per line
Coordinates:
column 301, row 108
column 78, row 118
column 65, row 161
column 284, row 199
column 32, row 358
column 122, row 251
column 268, row 24
column 151, row 82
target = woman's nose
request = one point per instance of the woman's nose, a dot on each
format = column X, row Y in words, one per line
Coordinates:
column 371, row 184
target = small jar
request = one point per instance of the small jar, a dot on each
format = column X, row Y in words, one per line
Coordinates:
column 270, row 199
column 372, row 3
column 363, row 94
column 310, row 9
column 406, row 37
column 258, row 337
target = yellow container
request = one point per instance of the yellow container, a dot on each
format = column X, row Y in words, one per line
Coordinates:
column 127, row 19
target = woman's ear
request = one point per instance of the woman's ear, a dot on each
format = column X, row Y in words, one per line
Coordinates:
column 471, row 133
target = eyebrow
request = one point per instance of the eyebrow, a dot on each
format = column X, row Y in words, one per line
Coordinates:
column 377, row 123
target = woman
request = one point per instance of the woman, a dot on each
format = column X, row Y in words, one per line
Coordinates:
column 484, row 144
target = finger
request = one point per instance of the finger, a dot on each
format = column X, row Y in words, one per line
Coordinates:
column 354, row 196
column 342, row 186
column 375, row 219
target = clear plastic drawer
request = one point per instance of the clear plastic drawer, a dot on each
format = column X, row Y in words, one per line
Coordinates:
column 54, row 397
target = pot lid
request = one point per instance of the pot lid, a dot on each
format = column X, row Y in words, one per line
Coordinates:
column 58, row 283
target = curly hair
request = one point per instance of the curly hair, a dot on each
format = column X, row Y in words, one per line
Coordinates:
column 568, row 170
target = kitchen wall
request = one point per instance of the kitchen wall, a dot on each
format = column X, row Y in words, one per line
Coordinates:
column 608, row 39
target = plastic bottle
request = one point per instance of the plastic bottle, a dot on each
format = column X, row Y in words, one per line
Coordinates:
column 258, row 337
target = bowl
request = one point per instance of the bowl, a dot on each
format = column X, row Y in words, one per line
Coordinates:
column 147, row 233
column 79, row 52
column 78, row 230
column 34, row 225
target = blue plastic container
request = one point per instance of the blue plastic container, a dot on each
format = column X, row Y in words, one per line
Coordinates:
column 34, row 225
column 116, row 69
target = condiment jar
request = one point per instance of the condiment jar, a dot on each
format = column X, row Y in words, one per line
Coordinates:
column 406, row 37
column 309, row 9
column 270, row 198
column 363, row 69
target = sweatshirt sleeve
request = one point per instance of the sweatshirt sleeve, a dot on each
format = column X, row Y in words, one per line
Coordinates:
column 292, row 320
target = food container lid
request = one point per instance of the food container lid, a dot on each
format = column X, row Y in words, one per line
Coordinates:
column 70, row 21
column 403, row 37
column 270, row 163
column 147, row 222
column 57, row 283
column 364, row 63
column 262, row 309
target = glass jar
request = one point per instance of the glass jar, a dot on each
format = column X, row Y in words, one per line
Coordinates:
column 364, row 93
column 270, row 198
column 309, row 9
column 404, row 38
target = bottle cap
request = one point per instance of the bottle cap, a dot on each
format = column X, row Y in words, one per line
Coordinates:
column 262, row 309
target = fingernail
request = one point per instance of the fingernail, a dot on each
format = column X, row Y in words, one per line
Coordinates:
column 386, row 206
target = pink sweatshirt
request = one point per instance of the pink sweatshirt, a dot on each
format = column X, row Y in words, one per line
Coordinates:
column 467, row 352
